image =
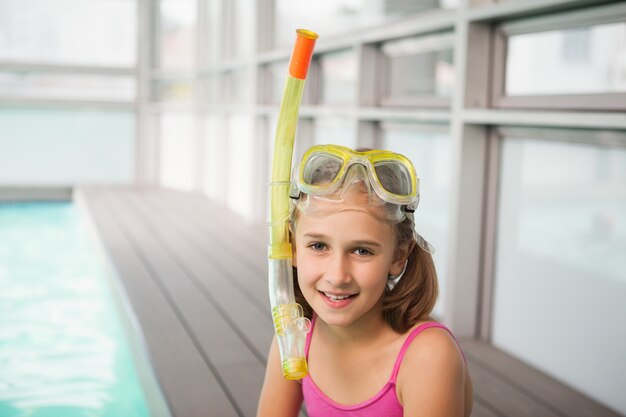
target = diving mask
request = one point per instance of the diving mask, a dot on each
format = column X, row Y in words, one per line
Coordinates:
column 330, row 172
column 392, row 176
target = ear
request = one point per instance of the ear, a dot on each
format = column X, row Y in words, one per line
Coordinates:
column 400, row 257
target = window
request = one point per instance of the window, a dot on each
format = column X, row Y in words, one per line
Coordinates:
column 173, row 91
column 68, row 67
column 334, row 17
column 210, row 86
column 335, row 130
column 63, row 147
column 71, row 32
column 244, row 43
column 177, row 150
column 274, row 75
column 240, row 153
column 235, row 87
column 575, row 60
column 339, row 77
column 214, row 158
column 48, row 85
column 429, row 148
column 176, row 35
column 560, row 269
column 418, row 71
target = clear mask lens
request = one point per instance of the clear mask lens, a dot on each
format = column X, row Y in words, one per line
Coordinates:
column 393, row 177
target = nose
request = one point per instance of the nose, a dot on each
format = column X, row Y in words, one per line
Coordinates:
column 338, row 271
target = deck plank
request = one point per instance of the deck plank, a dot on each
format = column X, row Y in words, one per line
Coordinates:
column 504, row 398
column 481, row 409
column 250, row 320
column 254, row 235
column 229, row 353
column 174, row 356
column 247, row 240
column 224, row 249
column 533, row 383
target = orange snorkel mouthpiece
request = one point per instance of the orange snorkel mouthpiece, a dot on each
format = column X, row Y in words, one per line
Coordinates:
column 302, row 52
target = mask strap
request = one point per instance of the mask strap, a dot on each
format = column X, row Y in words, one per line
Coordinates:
column 423, row 243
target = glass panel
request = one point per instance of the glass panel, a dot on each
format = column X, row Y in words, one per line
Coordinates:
column 211, row 88
column 418, row 67
column 66, row 147
column 95, row 32
column 339, row 77
column 240, row 174
column 271, row 134
column 214, row 39
column 332, row 17
column 214, row 158
column 429, row 148
column 560, row 275
column 234, row 87
column 173, row 91
column 555, row 62
column 244, row 39
column 335, row 130
column 177, row 26
column 276, row 76
column 177, row 139
column 66, row 86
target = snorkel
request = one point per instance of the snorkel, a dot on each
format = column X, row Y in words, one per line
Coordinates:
column 290, row 325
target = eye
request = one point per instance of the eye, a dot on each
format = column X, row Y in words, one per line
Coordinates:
column 317, row 246
column 363, row 252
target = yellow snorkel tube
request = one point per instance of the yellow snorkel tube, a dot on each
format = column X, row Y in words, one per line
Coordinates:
column 290, row 325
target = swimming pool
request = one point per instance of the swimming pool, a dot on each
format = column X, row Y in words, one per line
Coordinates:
column 66, row 346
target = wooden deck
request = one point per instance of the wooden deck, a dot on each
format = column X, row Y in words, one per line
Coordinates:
column 205, row 316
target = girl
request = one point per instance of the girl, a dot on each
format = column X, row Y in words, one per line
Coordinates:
column 367, row 281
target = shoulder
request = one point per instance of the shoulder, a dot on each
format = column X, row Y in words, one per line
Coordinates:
column 432, row 346
column 432, row 371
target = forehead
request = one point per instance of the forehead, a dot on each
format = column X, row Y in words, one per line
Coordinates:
column 346, row 219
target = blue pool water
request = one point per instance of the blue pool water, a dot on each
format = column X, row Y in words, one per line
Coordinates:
column 64, row 351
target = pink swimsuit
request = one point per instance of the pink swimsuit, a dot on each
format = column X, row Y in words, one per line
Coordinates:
column 385, row 403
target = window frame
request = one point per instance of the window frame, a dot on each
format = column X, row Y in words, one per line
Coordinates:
column 612, row 13
column 319, row 84
column 422, row 100
column 497, row 134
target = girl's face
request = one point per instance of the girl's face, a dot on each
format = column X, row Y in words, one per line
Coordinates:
column 344, row 258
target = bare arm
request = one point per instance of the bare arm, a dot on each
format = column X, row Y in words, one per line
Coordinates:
column 432, row 379
column 279, row 397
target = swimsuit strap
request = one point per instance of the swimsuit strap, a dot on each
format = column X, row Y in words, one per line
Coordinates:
column 407, row 343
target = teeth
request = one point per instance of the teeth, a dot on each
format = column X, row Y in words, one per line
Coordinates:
column 336, row 297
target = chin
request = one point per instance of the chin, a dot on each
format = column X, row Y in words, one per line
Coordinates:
column 337, row 320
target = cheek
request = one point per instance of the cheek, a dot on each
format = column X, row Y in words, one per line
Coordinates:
column 306, row 269
column 373, row 276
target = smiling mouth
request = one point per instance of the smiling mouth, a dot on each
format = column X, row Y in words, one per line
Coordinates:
column 337, row 298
